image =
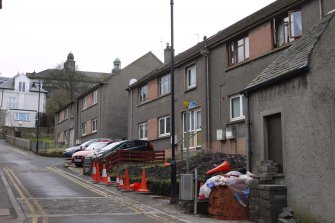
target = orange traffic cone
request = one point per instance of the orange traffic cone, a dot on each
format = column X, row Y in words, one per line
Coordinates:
column 143, row 187
column 94, row 172
column 225, row 166
column 126, row 186
column 97, row 177
column 104, row 174
column 121, row 183
column 109, row 182
column 117, row 181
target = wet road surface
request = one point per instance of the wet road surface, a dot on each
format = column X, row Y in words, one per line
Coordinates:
column 44, row 191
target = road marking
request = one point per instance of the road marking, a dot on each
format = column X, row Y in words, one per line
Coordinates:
column 24, row 193
column 130, row 203
column 15, row 204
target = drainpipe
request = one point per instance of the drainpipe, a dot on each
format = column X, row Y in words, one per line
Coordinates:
column 205, row 53
column 131, row 115
column 320, row 8
column 248, row 133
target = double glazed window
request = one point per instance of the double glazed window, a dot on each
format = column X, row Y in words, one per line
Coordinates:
column 143, row 130
column 143, row 94
column 66, row 113
column 22, row 86
column 20, row 116
column 94, row 125
column 236, row 108
column 193, row 124
column 85, row 102
column 164, row 84
column 83, row 129
column 288, row 28
column 164, row 126
column 95, row 97
column 191, row 77
column 12, row 103
column 238, row 51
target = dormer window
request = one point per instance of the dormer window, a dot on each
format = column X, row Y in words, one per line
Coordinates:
column 22, row 86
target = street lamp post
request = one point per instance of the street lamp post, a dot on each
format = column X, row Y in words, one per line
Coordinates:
column 173, row 199
column 38, row 114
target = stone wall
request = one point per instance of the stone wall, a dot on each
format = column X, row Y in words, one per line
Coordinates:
column 266, row 202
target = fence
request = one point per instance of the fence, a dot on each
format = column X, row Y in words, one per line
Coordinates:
column 28, row 145
column 134, row 156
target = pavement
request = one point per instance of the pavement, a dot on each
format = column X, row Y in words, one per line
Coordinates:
column 9, row 210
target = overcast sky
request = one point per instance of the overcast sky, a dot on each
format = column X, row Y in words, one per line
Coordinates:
column 38, row 34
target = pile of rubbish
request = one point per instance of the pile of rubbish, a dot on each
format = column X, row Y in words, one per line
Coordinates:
column 234, row 180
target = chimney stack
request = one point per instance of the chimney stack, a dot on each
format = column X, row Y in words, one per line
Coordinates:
column 167, row 53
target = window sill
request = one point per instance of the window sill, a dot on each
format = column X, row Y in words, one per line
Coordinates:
column 149, row 101
column 88, row 107
column 236, row 121
column 164, row 136
column 88, row 134
column 190, row 89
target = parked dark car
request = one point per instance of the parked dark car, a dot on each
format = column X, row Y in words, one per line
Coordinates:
column 129, row 145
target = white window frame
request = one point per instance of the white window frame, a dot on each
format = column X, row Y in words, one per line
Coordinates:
column 66, row 113
column 143, row 128
column 191, row 78
column 83, row 129
column 165, row 84
column 22, row 116
column 194, row 128
column 95, row 97
column 66, row 132
column 84, row 102
column 241, row 108
column 143, row 93
column 94, row 125
column 22, row 86
column 12, row 102
column 166, row 132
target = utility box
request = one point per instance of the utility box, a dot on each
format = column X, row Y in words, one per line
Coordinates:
column 186, row 187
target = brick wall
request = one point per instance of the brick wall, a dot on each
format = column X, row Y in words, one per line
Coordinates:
column 152, row 129
column 236, row 146
column 153, row 89
column 261, row 40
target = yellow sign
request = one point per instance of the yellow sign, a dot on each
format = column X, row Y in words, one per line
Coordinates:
column 185, row 104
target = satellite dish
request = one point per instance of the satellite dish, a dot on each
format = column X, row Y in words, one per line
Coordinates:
column 132, row 81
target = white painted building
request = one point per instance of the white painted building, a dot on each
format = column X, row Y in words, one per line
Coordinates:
column 19, row 99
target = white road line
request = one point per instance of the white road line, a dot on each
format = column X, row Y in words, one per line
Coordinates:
column 92, row 214
column 14, row 202
column 133, row 202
